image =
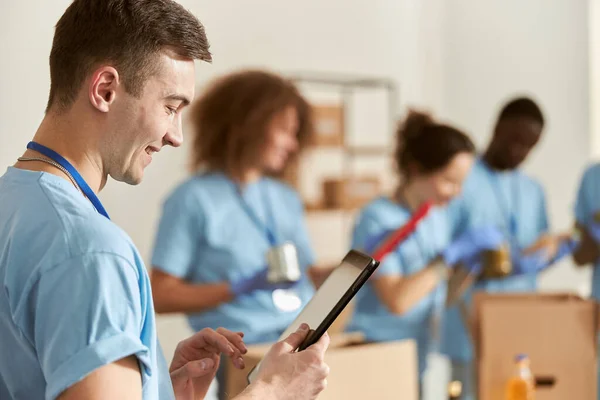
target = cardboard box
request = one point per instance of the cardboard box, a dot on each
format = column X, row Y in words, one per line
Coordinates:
column 328, row 123
column 349, row 193
column 385, row 371
column 557, row 331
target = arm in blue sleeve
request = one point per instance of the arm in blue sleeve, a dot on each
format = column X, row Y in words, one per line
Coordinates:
column 538, row 261
column 87, row 313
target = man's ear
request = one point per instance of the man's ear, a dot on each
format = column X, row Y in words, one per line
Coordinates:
column 103, row 87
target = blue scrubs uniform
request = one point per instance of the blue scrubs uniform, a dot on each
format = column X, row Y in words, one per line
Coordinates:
column 75, row 293
column 371, row 316
column 512, row 202
column 586, row 205
column 206, row 235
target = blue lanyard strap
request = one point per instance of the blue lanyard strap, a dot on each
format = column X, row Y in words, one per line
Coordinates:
column 254, row 217
column 500, row 201
column 85, row 188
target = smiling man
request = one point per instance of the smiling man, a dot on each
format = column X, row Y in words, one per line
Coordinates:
column 76, row 309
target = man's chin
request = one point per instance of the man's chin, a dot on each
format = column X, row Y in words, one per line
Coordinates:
column 130, row 179
column 505, row 165
column 512, row 165
column 135, row 180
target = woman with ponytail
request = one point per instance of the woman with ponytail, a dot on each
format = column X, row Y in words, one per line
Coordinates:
column 399, row 301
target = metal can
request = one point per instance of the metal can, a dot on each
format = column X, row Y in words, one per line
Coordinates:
column 497, row 263
column 283, row 264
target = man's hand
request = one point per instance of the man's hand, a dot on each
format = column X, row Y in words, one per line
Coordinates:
column 546, row 251
column 197, row 359
column 289, row 375
column 548, row 244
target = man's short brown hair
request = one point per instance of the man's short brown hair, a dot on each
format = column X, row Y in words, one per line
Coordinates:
column 230, row 119
column 128, row 34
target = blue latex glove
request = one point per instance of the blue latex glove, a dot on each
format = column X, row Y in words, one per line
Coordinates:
column 539, row 261
column 530, row 263
column 565, row 248
column 468, row 246
column 257, row 281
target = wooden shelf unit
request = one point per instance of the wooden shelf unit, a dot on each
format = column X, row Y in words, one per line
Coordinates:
column 346, row 85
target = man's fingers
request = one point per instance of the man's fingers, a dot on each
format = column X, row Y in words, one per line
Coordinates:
column 207, row 338
column 234, row 338
column 224, row 341
column 321, row 345
column 294, row 341
column 535, row 248
column 193, row 369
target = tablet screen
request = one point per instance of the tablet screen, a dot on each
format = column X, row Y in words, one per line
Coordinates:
column 326, row 297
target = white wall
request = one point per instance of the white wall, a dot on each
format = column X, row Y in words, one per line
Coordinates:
column 594, row 74
column 459, row 57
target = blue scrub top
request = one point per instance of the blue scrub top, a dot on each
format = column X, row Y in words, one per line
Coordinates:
column 510, row 201
column 371, row 316
column 587, row 204
column 75, row 293
column 206, row 235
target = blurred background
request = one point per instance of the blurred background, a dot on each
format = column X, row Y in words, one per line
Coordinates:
column 460, row 59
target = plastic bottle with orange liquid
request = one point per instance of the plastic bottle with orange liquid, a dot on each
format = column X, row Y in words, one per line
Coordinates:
column 521, row 385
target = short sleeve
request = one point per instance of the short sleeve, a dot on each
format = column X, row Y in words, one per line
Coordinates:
column 178, row 234
column 367, row 230
column 584, row 204
column 87, row 313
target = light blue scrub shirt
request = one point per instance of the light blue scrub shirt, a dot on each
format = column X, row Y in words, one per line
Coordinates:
column 75, row 293
column 371, row 316
column 205, row 235
column 586, row 205
column 510, row 201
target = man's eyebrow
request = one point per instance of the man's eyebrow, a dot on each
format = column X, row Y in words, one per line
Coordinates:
column 184, row 100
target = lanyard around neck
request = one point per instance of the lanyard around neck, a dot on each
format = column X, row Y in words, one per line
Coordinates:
column 262, row 226
column 505, row 209
column 85, row 188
